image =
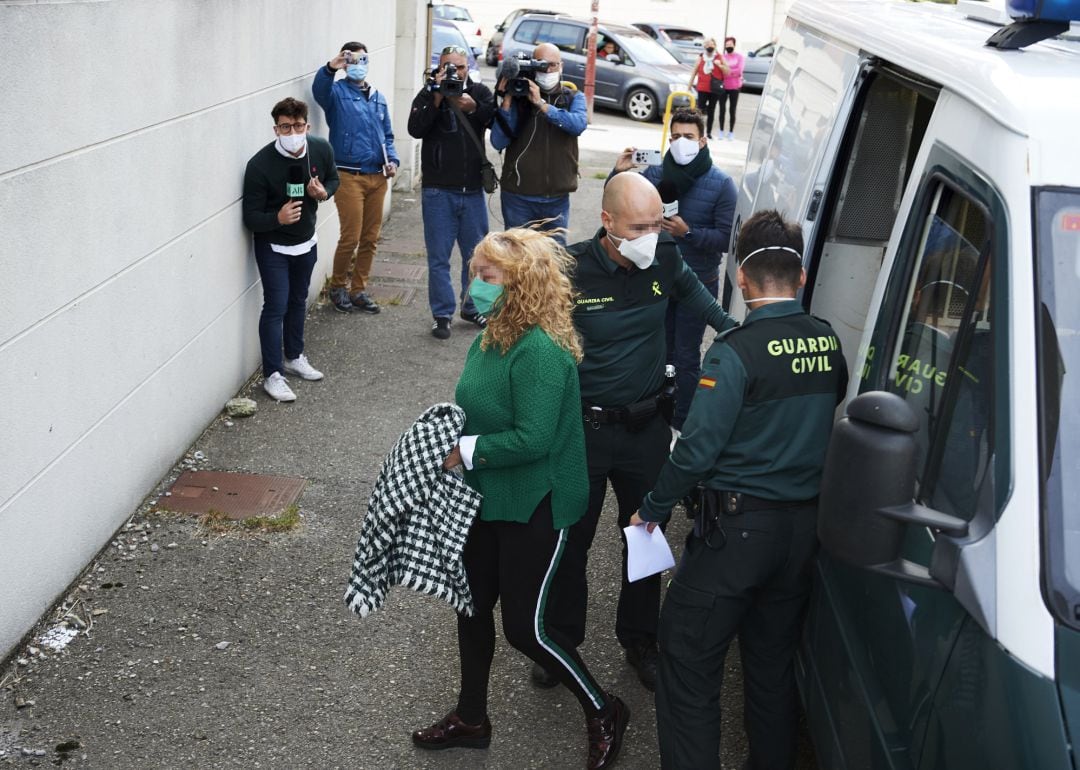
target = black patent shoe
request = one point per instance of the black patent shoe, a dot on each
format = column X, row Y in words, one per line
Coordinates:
column 451, row 733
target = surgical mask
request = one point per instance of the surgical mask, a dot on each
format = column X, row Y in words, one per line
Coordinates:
column 484, row 295
column 547, row 80
column 356, row 72
column 641, row 250
column 684, row 150
column 293, row 142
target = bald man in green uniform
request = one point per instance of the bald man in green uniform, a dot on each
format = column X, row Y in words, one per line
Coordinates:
column 756, row 437
column 625, row 277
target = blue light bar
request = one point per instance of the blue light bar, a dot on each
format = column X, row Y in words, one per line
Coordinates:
column 1044, row 10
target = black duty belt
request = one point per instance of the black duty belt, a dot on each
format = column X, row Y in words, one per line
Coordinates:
column 635, row 414
column 733, row 503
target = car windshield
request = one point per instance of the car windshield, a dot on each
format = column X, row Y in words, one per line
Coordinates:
column 1057, row 245
column 452, row 12
column 645, row 50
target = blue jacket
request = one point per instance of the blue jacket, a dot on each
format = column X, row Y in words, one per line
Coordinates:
column 359, row 124
column 709, row 208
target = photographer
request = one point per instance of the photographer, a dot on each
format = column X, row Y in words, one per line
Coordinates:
column 452, row 191
column 538, row 123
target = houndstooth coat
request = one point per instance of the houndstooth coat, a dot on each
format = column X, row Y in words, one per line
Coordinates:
column 418, row 518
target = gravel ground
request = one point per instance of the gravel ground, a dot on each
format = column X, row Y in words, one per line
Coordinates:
column 201, row 649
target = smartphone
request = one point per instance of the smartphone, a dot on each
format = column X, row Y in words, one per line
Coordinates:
column 647, row 157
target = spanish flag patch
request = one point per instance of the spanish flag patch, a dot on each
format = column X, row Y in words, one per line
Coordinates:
column 707, row 382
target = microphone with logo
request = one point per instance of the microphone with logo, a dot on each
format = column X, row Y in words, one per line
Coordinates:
column 294, row 188
column 669, row 195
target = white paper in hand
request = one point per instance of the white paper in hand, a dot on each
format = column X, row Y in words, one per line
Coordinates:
column 647, row 552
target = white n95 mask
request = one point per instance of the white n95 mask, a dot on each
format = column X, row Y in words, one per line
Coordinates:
column 684, row 150
column 641, row 250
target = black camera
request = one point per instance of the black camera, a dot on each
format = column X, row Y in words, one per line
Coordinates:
column 518, row 71
column 452, row 84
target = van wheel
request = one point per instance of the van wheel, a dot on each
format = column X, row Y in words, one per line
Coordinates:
column 641, row 105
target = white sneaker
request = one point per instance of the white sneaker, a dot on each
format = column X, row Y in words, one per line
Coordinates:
column 278, row 388
column 302, row 368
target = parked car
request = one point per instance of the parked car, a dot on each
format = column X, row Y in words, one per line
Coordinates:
column 494, row 46
column 935, row 175
column 463, row 20
column 756, row 67
column 686, row 44
column 445, row 33
column 637, row 79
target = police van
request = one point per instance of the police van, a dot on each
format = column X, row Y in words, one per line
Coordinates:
column 932, row 155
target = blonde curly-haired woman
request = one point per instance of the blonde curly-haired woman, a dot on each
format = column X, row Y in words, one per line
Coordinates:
column 524, row 450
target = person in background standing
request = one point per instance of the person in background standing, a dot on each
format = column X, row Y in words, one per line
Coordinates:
column 539, row 132
column 280, row 212
column 701, row 228
column 452, row 192
column 363, row 142
column 731, row 65
column 703, row 76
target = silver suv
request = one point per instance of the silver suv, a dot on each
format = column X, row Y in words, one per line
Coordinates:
column 637, row 77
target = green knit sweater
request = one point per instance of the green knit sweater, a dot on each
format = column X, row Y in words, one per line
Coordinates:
column 525, row 406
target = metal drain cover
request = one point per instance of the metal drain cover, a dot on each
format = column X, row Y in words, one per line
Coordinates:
column 237, row 495
column 398, row 271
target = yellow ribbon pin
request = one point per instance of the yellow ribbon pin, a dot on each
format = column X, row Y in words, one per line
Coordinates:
column 656, row 288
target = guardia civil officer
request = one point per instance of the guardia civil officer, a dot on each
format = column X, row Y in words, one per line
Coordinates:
column 625, row 277
column 756, row 437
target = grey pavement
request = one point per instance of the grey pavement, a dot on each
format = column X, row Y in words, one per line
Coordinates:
column 301, row 681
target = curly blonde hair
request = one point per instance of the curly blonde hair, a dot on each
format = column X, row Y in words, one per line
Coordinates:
column 536, row 289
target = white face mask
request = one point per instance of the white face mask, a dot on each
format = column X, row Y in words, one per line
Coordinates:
column 547, row 80
column 293, row 142
column 641, row 251
column 684, row 150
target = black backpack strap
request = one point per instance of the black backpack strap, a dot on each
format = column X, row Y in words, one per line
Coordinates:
column 464, row 121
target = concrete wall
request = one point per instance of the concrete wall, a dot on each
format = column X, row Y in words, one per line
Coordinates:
column 752, row 22
column 130, row 297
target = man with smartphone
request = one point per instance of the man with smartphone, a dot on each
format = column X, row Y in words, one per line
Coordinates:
column 363, row 142
column 452, row 156
column 699, row 203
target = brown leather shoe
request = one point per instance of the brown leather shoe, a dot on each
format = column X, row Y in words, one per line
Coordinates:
column 606, row 733
column 451, row 733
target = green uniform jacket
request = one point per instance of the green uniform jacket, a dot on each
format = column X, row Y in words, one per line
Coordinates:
column 762, row 413
column 525, row 406
column 620, row 315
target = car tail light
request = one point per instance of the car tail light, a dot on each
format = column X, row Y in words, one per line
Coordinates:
column 479, row 33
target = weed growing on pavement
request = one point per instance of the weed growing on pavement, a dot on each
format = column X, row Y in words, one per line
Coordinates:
column 218, row 523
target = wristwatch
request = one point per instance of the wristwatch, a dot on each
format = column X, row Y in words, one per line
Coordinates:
column 687, row 235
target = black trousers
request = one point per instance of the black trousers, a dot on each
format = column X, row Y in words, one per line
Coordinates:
column 706, row 104
column 731, row 98
column 631, row 461
column 756, row 586
column 516, row 564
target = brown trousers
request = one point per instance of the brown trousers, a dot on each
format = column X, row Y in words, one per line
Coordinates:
column 359, row 202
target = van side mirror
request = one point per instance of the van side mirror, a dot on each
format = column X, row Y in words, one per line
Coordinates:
column 500, row 27
column 868, row 486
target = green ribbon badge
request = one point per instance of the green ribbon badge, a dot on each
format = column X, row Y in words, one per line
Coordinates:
column 656, row 288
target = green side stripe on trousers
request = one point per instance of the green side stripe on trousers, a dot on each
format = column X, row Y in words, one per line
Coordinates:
column 541, row 635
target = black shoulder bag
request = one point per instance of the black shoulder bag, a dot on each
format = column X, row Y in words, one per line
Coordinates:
column 488, row 178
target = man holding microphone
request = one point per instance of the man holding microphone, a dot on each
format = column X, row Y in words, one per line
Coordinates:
column 283, row 185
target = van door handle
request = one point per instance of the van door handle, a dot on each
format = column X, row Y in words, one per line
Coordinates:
column 815, row 205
